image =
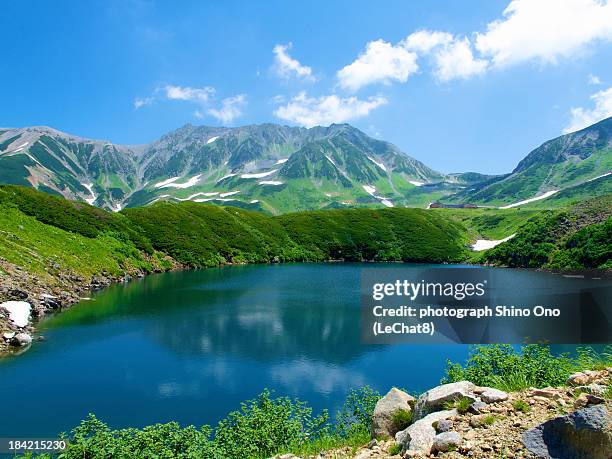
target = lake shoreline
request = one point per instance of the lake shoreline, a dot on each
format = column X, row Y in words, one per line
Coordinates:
column 64, row 290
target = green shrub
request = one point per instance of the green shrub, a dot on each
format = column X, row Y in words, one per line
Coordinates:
column 462, row 405
column 394, row 449
column 94, row 439
column 521, row 405
column 489, row 420
column 401, row 419
column 507, row 368
column 608, row 393
column 356, row 413
column 267, row 425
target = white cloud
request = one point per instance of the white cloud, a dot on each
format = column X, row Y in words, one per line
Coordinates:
column 423, row 41
column 594, row 80
column 140, row 102
column 545, row 30
column 381, row 62
column 583, row 117
column 455, row 60
column 286, row 66
column 231, row 108
column 312, row 111
column 201, row 95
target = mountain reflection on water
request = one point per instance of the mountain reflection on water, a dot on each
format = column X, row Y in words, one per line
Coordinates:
column 284, row 312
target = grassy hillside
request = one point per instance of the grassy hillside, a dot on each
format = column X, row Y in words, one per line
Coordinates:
column 203, row 235
column 577, row 238
column 47, row 234
column 488, row 223
column 87, row 240
column 575, row 195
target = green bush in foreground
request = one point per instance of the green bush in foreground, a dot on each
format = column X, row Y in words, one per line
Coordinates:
column 265, row 425
column 261, row 428
column 401, row 419
column 521, row 405
column 510, row 369
column 462, row 405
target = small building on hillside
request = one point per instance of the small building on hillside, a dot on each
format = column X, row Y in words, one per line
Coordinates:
column 439, row 205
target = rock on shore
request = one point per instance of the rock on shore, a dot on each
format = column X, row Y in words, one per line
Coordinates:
column 48, row 291
column 382, row 419
column 547, row 423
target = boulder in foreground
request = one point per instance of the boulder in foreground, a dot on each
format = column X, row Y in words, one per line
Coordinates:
column 382, row 418
column 420, row 436
column 583, row 434
column 435, row 399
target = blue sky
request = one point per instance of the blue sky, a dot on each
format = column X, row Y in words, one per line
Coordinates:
column 470, row 85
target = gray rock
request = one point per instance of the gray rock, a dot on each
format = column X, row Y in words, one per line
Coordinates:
column 21, row 339
column 444, row 425
column 585, row 433
column 382, row 418
column 581, row 378
column 446, row 441
column 585, row 399
column 434, row 399
column 595, row 389
column 493, row 395
column 477, row 406
column 8, row 335
column 419, row 437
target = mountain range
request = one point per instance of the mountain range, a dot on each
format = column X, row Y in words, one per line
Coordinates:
column 280, row 169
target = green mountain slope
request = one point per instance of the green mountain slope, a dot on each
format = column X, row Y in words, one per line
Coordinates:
column 567, row 161
column 280, row 169
column 573, row 195
column 577, row 238
column 44, row 234
column 265, row 167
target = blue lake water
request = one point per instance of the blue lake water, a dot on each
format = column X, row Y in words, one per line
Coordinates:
column 190, row 346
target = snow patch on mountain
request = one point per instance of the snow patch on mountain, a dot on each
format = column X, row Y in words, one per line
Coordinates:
column 381, row 165
column 372, row 192
column 226, row 177
column 165, row 182
column 527, row 201
column 259, row 174
column 369, row 189
column 599, row 176
column 93, row 197
column 229, row 193
column 18, row 312
column 21, row 147
column 188, row 184
column 484, row 244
